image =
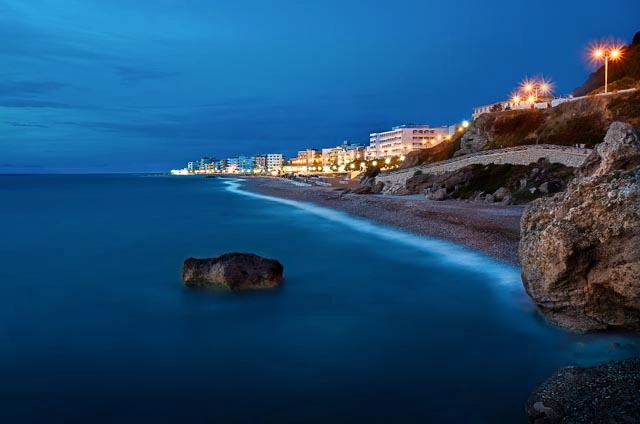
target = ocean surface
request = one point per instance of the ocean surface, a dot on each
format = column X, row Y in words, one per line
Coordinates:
column 372, row 324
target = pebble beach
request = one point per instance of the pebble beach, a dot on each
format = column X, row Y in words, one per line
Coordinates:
column 488, row 228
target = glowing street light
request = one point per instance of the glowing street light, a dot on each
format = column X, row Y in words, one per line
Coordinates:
column 606, row 52
column 532, row 88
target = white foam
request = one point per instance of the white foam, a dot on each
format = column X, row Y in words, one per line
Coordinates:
column 447, row 252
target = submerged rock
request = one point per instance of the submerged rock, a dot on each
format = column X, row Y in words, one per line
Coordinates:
column 580, row 249
column 608, row 393
column 235, row 271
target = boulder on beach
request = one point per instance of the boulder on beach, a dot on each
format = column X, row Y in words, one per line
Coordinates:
column 608, row 393
column 580, row 249
column 235, row 271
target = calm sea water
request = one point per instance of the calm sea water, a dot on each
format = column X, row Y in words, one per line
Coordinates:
column 372, row 325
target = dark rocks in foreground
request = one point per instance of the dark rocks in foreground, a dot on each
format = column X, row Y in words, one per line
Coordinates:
column 608, row 393
column 235, row 271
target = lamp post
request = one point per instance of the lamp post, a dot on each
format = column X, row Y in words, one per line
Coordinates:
column 534, row 87
column 606, row 53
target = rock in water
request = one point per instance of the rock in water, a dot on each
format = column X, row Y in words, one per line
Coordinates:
column 236, row 271
column 608, row 393
column 580, row 249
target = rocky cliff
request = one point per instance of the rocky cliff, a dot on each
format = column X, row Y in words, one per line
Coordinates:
column 580, row 249
column 582, row 122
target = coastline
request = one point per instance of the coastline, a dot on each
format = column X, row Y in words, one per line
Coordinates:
column 488, row 228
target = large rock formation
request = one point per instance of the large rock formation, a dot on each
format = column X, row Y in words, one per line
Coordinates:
column 580, row 249
column 608, row 393
column 235, row 271
column 476, row 137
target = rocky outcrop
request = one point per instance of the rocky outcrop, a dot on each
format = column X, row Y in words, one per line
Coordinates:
column 620, row 151
column 369, row 177
column 608, row 393
column 580, row 249
column 235, row 271
column 476, row 137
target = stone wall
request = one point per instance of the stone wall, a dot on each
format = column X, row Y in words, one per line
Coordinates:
column 394, row 181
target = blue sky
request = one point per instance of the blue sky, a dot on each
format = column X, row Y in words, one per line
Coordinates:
column 145, row 85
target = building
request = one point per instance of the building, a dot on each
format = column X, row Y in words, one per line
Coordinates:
column 274, row 162
column 541, row 102
column 309, row 157
column 343, row 154
column 404, row 139
column 261, row 163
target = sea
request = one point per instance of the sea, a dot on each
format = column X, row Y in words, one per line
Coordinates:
column 372, row 324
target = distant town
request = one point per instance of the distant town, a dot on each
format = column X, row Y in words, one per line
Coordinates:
column 386, row 149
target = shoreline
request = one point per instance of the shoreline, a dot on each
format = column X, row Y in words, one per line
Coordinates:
column 491, row 229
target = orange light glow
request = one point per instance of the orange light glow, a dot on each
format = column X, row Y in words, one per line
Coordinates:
column 606, row 51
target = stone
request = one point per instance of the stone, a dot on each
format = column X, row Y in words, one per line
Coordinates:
column 618, row 152
column 501, row 193
column 580, row 249
column 489, row 198
column 461, row 152
column 368, row 179
column 523, row 183
column 507, row 200
column 234, row 271
column 475, row 138
column 377, row 187
column 544, row 187
column 607, row 393
column 440, row 194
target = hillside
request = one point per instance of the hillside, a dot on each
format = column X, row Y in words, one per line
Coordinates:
column 580, row 122
column 622, row 74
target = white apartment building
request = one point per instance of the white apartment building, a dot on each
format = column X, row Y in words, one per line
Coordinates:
column 404, row 139
column 274, row 162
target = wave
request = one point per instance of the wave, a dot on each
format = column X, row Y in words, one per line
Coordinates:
column 448, row 252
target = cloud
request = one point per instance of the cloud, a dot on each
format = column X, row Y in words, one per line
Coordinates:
column 25, row 102
column 21, row 124
column 20, row 88
column 135, row 74
column 23, row 40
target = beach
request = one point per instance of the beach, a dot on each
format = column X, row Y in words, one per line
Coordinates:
column 492, row 229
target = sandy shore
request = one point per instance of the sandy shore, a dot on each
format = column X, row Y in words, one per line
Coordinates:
column 488, row 228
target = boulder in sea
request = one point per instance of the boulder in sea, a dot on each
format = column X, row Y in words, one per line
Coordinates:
column 580, row 249
column 608, row 393
column 235, row 271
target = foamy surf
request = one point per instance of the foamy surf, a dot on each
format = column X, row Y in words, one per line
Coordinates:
column 448, row 252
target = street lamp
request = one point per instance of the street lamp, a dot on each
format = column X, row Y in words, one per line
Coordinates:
column 532, row 88
column 606, row 52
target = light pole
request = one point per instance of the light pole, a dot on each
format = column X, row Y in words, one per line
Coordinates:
column 534, row 87
column 606, row 53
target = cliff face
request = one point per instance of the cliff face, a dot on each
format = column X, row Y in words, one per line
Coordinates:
column 583, row 121
column 580, row 249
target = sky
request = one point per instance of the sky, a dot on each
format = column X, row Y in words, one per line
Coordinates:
column 146, row 85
